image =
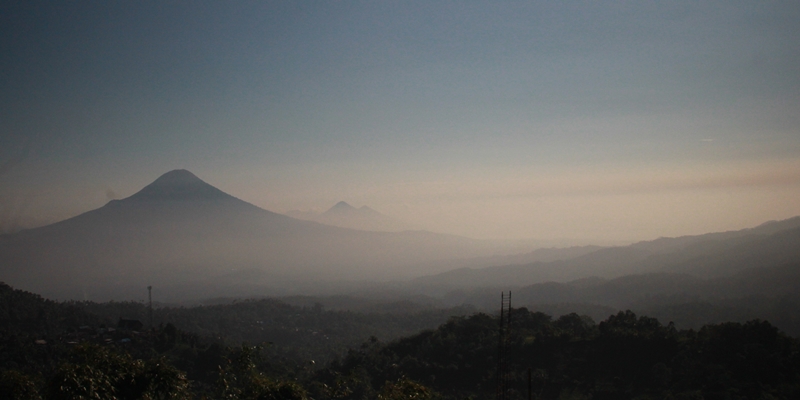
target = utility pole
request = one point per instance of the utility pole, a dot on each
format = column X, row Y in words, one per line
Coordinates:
column 150, row 298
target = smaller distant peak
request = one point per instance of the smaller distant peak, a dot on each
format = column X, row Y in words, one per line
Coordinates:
column 342, row 205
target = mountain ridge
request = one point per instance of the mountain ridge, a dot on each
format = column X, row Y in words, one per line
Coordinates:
column 705, row 256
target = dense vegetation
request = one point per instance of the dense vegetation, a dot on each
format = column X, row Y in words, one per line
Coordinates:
column 771, row 293
column 61, row 350
column 294, row 334
column 624, row 356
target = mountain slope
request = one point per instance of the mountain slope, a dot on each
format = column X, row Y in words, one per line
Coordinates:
column 711, row 255
column 182, row 233
column 768, row 292
column 665, row 245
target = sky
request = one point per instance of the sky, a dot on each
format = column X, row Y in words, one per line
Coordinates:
column 572, row 122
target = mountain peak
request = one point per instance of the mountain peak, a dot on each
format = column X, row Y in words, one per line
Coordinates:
column 341, row 207
column 177, row 176
column 363, row 218
column 179, row 184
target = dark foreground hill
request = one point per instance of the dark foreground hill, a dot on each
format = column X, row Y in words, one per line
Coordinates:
column 623, row 357
column 295, row 333
column 183, row 234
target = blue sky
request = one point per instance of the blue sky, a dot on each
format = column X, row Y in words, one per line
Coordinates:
column 586, row 120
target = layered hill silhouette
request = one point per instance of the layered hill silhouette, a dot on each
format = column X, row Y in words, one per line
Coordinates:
column 183, row 234
column 344, row 215
column 712, row 255
column 690, row 280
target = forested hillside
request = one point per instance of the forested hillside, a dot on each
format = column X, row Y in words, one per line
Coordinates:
column 68, row 350
column 771, row 293
column 298, row 334
column 626, row 356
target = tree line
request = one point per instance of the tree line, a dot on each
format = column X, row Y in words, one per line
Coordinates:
column 61, row 351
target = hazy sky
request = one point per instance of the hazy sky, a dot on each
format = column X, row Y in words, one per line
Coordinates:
column 586, row 120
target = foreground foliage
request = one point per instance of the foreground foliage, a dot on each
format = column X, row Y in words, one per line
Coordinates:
column 95, row 372
column 53, row 351
column 625, row 356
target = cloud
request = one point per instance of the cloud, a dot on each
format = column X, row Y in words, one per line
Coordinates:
column 597, row 181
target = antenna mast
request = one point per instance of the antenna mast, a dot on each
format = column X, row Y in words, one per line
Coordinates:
column 505, row 326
